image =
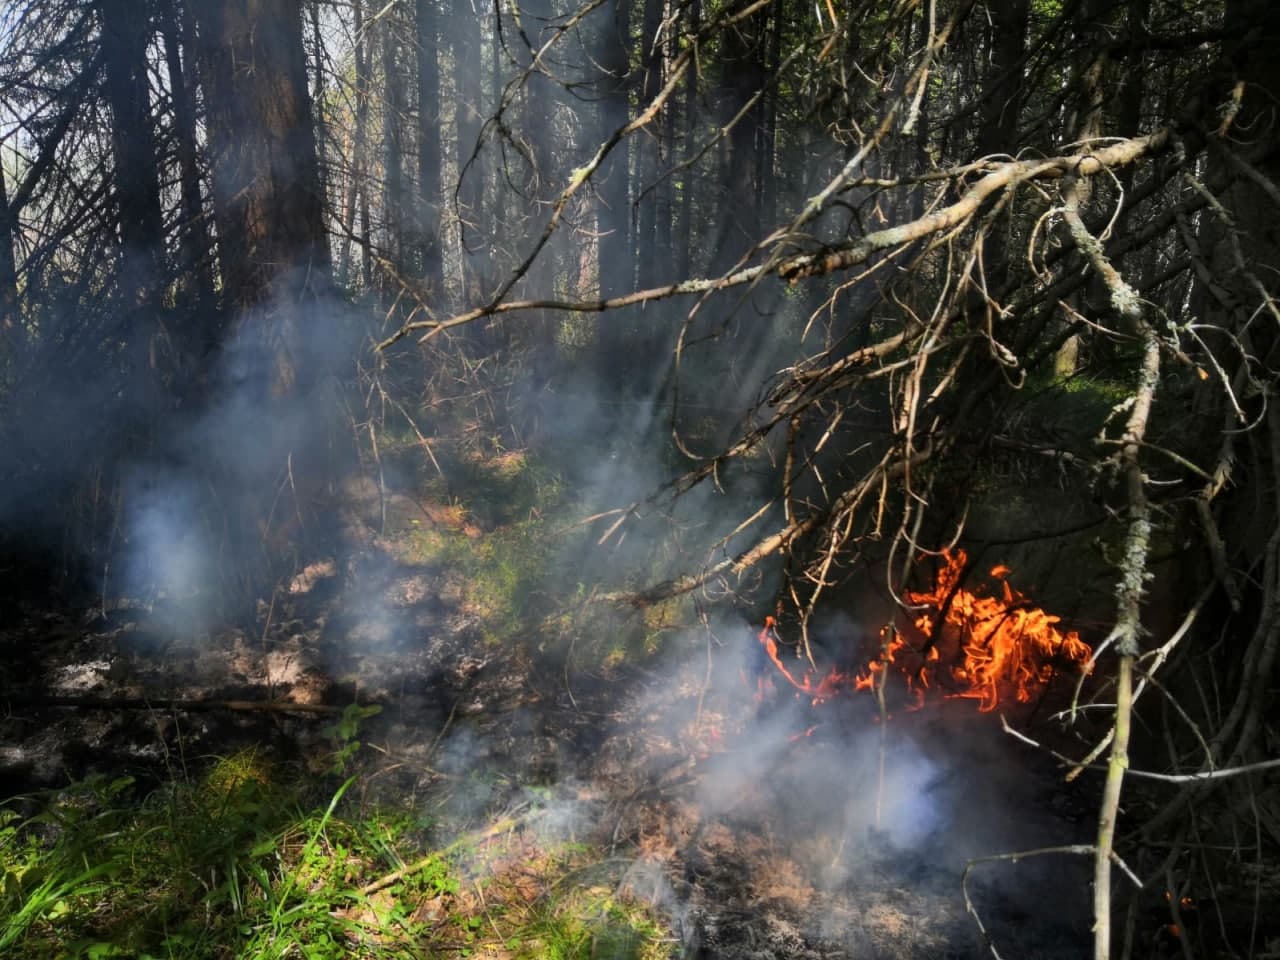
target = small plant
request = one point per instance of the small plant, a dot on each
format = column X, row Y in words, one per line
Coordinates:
column 345, row 731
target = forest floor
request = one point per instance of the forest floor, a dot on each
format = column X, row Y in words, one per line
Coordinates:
column 583, row 806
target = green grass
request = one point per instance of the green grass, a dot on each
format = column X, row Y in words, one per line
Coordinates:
column 250, row 862
column 230, row 865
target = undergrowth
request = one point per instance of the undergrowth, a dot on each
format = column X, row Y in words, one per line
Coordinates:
column 509, row 528
column 250, row 861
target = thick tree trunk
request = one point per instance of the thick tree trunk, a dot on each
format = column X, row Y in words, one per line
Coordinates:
column 276, row 278
column 266, row 180
column 1002, row 89
column 125, row 30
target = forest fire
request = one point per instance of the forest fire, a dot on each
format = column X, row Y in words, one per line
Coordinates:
column 967, row 644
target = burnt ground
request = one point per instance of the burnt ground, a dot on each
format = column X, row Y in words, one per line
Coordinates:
column 754, row 840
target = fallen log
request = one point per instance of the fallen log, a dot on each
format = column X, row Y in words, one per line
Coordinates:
column 189, row 706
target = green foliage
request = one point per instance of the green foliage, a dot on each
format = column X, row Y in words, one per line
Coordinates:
column 231, row 864
column 589, row 925
column 240, row 863
column 345, row 730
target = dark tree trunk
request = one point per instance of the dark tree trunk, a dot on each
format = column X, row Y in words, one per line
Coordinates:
column 125, row 29
column 646, row 216
column 767, row 142
column 744, row 52
column 684, row 236
column 266, row 178
column 197, row 256
column 616, row 254
column 1002, row 88
column 276, row 278
column 8, row 274
column 427, row 219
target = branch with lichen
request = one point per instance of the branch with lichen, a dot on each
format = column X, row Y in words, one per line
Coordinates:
column 1127, row 629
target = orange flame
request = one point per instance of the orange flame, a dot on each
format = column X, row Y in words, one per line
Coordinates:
column 1009, row 646
column 975, row 646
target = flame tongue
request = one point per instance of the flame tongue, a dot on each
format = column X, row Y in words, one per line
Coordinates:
column 972, row 645
column 1009, row 647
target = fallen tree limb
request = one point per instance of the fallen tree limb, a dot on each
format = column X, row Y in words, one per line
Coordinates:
column 189, row 706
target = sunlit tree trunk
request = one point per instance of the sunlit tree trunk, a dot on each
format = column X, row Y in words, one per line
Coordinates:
column 357, row 196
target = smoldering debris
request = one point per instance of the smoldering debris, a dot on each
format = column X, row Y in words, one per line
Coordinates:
column 778, row 827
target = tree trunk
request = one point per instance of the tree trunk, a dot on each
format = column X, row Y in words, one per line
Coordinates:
column 684, row 236
column 650, row 56
column 266, row 179
column 197, row 255
column 427, row 220
column 125, row 30
column 393, row 111
column 471, row 175
column 358, row 190
column 1002, row 90
column 744, row 51
column 614, row 101
column 8, row 275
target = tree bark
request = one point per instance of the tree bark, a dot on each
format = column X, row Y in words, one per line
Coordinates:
column 266, row 180
column 196, row 247
column 1002, row 90
column 427, row 219
column 471, row 171
column 393, row 111
column 358, row 190
column 8, row 273
column 650, row 146
column 125, row 29
column 614, row 98
column 684, row 266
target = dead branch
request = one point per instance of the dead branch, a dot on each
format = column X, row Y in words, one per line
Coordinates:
column 798, row 266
